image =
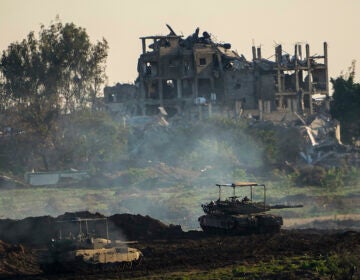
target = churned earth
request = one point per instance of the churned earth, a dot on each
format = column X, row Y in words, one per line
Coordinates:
column 170, row 253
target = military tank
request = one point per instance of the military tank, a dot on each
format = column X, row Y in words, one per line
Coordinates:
column 85, row 252
column 241, row 215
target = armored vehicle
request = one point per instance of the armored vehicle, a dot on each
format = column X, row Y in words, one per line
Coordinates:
column 239, row 215
column 85, row 251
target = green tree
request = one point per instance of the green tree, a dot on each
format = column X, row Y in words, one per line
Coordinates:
column 345, row 106
column 56, row 73
column 62, row 62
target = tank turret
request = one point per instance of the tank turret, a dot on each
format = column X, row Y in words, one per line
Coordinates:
column 237, row 214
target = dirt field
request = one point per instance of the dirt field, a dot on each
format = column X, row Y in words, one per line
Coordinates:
column 170, row 253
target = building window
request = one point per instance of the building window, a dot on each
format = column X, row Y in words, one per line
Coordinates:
column 202, row 61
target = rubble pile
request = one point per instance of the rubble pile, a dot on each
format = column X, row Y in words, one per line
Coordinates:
column 322, row 135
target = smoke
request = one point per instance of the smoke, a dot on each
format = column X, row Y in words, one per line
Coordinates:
column 168, row 173
column 174, row 170
column 183, row 162
column 199, row 145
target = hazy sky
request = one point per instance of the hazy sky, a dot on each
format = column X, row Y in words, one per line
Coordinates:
column 239, row 22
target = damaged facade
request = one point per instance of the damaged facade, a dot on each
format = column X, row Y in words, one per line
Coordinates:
column 181, row 74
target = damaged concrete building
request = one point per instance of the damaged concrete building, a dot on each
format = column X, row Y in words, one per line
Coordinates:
column 197, row 75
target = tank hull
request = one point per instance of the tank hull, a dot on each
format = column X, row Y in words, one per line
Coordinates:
column 91, row 260
column 241, row 224
column 102, row 255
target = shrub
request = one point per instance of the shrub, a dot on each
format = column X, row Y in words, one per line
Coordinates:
column 311, row 175
column 352, row 176
column 343, row 266
column 333, row 179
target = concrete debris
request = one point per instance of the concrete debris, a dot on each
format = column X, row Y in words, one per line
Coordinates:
column 322, row 135
column 162, row 111
column 310, row 135
column 200, row 101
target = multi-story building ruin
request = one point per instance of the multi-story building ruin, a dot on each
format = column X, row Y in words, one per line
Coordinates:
column 181, row 75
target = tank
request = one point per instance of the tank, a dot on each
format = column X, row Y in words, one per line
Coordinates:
column 241, row 215
column 84, row 252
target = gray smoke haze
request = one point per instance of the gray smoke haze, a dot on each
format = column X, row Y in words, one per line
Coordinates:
column 170, row 171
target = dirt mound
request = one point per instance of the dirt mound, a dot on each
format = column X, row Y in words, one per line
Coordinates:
column 144, row 227
column 33, row 231
column 38, row 231
column 70, row 216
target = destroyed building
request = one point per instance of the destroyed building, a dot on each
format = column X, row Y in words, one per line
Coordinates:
column 195, row 77
column 182, row 74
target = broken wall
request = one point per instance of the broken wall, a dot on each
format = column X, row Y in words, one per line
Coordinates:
column 170, row 66
column 169, row 47
column 203, row 57
column 239, row 85
column 266, row 87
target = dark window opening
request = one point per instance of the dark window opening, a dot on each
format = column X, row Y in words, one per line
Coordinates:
column 202, row 61
column 186, row 67
column 169, row 89
column 277, row 103
column 215, row 61
column 147, row 68
column 150, row 69
column 152, row 90
column 187, row 88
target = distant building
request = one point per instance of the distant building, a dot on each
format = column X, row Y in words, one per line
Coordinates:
column 181, row 75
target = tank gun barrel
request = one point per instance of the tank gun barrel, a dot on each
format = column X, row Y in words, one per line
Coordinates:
column 284, row 206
